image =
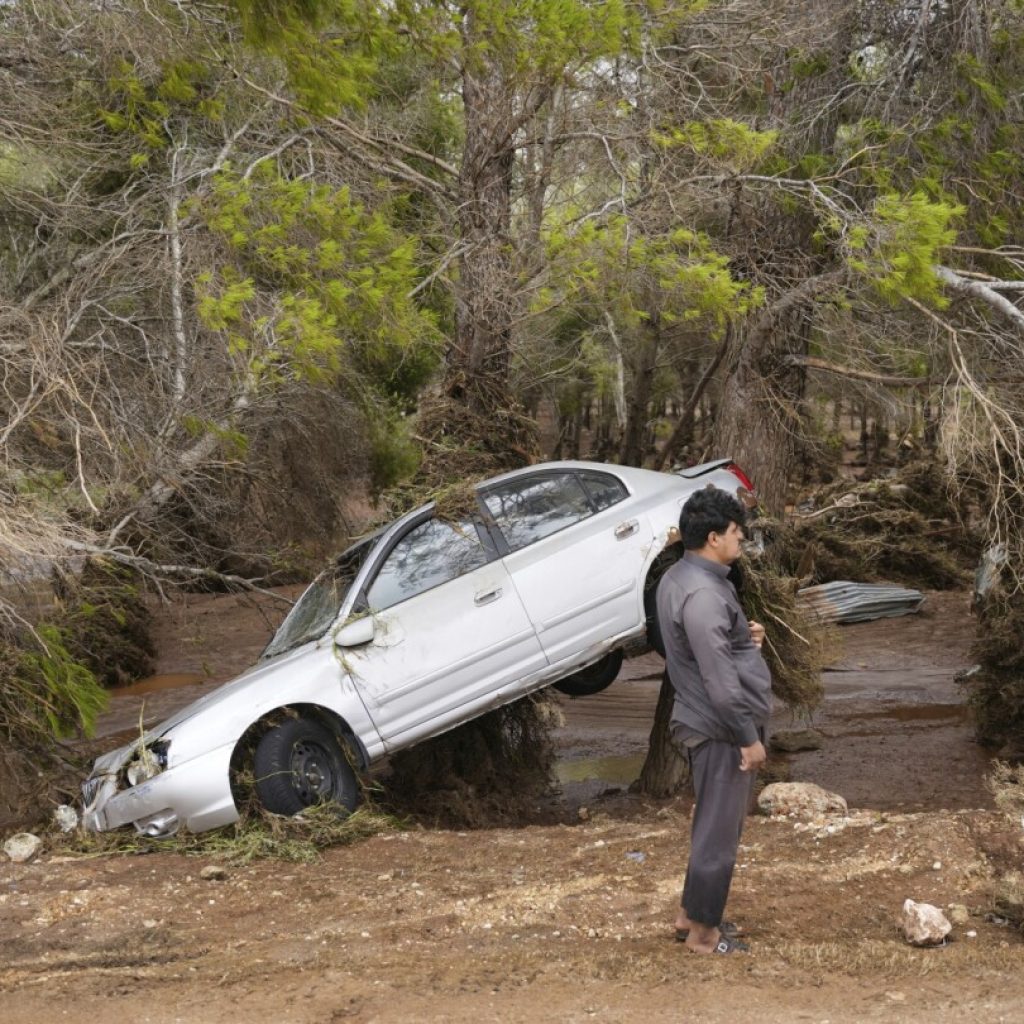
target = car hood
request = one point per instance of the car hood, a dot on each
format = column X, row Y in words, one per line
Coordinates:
column 237, row 692
column 225, row 693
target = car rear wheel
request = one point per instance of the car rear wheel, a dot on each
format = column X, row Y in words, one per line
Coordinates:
column 300, row 763
column 592, row 679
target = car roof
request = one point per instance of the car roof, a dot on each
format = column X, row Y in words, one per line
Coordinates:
column 638, row 478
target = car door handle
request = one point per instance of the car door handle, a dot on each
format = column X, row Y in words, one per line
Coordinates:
column 487, row 596
column 627, row 529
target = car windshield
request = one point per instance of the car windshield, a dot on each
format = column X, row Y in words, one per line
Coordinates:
column 319, row 605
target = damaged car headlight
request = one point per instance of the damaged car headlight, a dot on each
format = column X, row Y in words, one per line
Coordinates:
column 148, row 762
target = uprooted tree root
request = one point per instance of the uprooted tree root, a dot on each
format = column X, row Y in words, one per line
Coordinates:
column 492, row 770
column 906, row 529
column 106, row 623
column 34, row 779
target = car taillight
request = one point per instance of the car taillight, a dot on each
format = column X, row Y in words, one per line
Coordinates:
column 741, row 476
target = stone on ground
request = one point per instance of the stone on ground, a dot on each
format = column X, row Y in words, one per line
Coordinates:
column 924, row 924
column 789, row 741
column 800, row 800
column 22, row 847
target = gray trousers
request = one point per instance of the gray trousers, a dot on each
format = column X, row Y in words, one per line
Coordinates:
column 723, row 797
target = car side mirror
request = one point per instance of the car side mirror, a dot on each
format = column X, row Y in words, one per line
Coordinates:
column 353, row 634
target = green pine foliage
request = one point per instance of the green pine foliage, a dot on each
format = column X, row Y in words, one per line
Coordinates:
column 899, row 251
column 45, row 691
column 313, row 286
column 734, row 146
column 611, row 263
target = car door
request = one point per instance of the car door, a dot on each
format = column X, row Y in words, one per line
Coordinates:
column 576, row 555
column 449, row 632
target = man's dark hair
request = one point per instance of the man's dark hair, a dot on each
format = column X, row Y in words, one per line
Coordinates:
column 709, row 510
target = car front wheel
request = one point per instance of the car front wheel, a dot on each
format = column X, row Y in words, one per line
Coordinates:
column 592, row 679
column 300, row 764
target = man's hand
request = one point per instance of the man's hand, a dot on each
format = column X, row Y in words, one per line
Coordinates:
column 752, row 757
column 756, row 633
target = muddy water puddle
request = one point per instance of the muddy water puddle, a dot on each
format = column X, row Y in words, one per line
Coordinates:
column 154, row 684
column 613, row 771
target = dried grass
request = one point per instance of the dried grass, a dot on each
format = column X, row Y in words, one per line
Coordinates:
column 905, row 529
column 258, row 835
column 1006, row 783
column 461, row 447
column 795, row 647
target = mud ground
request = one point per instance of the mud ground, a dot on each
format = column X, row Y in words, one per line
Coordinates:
column 567, row 922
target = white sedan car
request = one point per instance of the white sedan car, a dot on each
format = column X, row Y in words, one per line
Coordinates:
column 418, row 628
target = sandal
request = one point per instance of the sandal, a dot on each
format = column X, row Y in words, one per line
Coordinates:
column 729, row 945
column 729, row 929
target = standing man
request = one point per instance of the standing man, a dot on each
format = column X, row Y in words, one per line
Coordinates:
column 722, row 703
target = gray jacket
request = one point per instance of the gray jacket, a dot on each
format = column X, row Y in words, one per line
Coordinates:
column 723, row 687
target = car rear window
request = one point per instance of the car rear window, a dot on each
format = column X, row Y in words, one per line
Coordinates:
column 531, row 508
column 604, row 489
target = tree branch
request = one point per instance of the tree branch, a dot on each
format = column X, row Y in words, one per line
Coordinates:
column 980, row 290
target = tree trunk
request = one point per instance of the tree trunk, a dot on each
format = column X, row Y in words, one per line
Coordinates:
column 479, row 358
column 645, row 363
column 759, row 410
column 683, row 433
column 665, row 770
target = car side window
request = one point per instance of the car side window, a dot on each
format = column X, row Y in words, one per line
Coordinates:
column 430, row 554
column 604, row 489
column 527, row 510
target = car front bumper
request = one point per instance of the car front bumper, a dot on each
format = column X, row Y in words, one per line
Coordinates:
column 195, row 795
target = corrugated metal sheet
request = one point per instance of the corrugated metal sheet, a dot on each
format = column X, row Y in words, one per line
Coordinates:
column 843, row 601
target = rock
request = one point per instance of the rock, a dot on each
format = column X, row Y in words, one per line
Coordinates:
column 924, row 924
column 789, row 741
column 800, row 799
column 213, row 873
column 22, row 847
column 958, row 913
column 66, row 818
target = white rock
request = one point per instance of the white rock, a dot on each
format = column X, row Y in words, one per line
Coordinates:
column 66, row 818
column 924, row 924
column 22, row 847
column 800, row 799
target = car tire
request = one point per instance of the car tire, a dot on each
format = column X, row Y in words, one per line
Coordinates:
column 592, row 679
column 300, row 763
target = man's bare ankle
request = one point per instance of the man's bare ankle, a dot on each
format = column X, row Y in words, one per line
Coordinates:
column 702, row 938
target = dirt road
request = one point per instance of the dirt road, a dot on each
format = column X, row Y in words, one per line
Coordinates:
column 572, row 922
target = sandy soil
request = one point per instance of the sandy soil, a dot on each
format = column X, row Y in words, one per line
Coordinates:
column 566, row 922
